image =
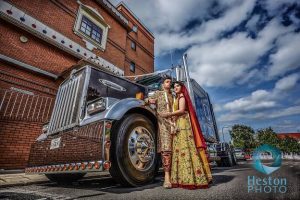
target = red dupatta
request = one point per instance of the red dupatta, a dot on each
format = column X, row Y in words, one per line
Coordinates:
column 197, row 132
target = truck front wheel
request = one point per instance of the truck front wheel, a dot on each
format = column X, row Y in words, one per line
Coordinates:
column 133, row 150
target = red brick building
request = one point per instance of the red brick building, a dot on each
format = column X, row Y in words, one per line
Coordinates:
column 296, row 136
column 41, row 41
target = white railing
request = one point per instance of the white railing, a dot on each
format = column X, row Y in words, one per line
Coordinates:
column 284, row 156
column 290, row 156
column 18, row 104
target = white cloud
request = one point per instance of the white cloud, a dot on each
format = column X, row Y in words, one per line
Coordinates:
column 217, row 107
column 259, row 99
column 254, row 76
column 294, row 110
column 224, row 61
column 216, row 61
column 167, row 19
column 221, row 62
column 161, row 15
column 287, row 82
column 257, row 105
column 236, row 55
column 251, row 24
column 287, row 57
column 207, row 31
column 275, row 6
column 287, row 126
column 230, row 117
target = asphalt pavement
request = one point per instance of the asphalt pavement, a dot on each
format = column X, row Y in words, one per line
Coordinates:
column 228, row 183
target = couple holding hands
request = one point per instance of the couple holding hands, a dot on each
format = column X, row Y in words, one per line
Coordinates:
column 181, row 142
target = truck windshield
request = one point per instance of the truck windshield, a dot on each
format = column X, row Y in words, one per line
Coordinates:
column 152, row 82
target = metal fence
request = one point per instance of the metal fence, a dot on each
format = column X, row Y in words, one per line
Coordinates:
column 18, row 104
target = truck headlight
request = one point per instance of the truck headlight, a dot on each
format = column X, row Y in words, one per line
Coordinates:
column 96, row 106
column 45, row 128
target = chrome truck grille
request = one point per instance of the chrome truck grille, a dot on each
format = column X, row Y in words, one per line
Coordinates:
column 68, row 100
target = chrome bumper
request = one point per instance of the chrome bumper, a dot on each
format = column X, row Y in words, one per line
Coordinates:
column 82, row 150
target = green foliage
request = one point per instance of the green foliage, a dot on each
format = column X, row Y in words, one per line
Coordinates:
column 290, row 145
column 268, row 136
column 243, row 136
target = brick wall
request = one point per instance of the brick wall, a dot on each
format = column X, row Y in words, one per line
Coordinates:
column 22, row 115
column 18, row 132
column 40, row 54
column 16, row 138
column 143, row 56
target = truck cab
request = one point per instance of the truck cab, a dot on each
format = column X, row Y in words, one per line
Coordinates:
column 100, row 122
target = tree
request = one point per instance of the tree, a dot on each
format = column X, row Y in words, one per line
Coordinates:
column 243, row 136
column 268, row 136
column 290, row 145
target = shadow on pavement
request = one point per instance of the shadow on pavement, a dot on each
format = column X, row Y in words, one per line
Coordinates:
column 105, row 184
column 220, row 179
column 17, row 196
column 108, row 185
column 239, row 167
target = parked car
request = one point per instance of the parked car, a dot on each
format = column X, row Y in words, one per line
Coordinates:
column 240, row 154
column 248, row 156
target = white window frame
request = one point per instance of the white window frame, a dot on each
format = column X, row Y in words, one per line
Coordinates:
column 135, row 28
column 134, row 65
column 98, row 20
column 131, row 45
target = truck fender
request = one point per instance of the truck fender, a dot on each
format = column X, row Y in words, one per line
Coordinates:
column 118, row 110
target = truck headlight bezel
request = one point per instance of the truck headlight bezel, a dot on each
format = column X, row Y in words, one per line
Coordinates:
column 45, row 128
column 96, row 106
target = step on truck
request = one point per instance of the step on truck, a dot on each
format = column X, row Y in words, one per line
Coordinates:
column 100, row 122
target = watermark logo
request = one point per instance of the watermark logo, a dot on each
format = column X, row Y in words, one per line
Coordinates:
column 257, row 157
column 266, row 184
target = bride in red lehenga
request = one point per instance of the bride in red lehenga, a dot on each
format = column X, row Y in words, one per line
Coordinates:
column 190, row 168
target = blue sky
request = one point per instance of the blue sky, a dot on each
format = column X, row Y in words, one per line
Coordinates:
column 245, row 53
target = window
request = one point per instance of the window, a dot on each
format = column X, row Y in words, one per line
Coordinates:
column 91, row 27
column 132, row 66
column 135, row 28
column 133, row 45
column 91, row 30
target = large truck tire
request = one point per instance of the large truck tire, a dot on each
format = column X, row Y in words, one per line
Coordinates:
column 235, row 162
column 65, row 178
column 229, row 160
column 226, row 161
column 133, row 151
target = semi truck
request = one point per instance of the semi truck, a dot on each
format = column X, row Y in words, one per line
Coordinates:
column 100, row 122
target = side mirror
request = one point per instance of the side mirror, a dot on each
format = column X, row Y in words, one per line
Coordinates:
column 151, row 94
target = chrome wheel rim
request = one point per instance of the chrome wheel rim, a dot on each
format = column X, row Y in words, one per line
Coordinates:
column 141, row 148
